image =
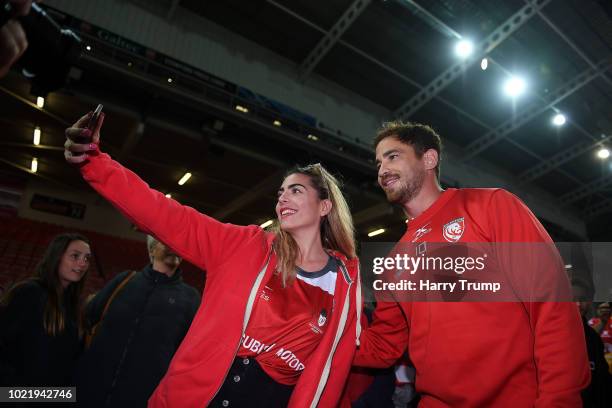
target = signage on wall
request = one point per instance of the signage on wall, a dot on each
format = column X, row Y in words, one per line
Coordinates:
column 57, row 206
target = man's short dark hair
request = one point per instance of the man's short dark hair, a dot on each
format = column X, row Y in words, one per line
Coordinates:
column 420, row 137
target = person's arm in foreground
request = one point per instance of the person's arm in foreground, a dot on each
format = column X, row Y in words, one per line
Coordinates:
column 198, row 238
column 384, row 342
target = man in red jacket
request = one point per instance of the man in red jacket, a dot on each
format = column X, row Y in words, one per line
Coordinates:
column 471, row 354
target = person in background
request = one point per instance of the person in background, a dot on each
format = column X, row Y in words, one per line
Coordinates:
column 140, row 319
column 40, row 318
column 602, row 324
column 599, row 392
column 13, row 41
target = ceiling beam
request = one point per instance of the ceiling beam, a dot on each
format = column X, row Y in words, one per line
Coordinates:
column 252, row 194
column 571, row 44
column 586, row 190
column 414, row 83
column 331, row 37
column 381, row 64
column 598, row 209
column 531, row 112
column 26, row 101
column 500, row 34
column 559, row 159
column 433, row 21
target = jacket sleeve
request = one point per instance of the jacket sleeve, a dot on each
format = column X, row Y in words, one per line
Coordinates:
column 384, row 342
column 559, row 343
column 198, row 238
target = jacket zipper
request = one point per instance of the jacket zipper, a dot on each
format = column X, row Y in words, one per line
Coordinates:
column 247, row 315
column 341, row 325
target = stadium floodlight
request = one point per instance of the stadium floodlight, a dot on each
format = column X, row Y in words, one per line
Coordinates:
column 515, row 86
column 266, row 224
column 484, row 64
column 464, row 48
column 603, row 153
column 559, row 119
column 184, row 179
column 37, row 133
column 376, row 232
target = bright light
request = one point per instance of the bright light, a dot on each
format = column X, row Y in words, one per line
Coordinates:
column 129, row 64
column 266, row 224
column 40, row 102
column 484, row 64
column 559, row 119
column 313, row 138
column 376, row 232
column 88, row 48
column 184, row 179
column 515, row 86
column 277, row 123
column 34, row 166
column 464, row 48
column 36, row 140
column 242, row 109
column 169, row 80
column 168, row 195
column 603, row 153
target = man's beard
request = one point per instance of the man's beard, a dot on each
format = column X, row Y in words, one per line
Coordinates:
column 407, row 190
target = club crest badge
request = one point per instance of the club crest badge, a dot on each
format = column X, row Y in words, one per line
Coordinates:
column 453, row 230
column 322, row 318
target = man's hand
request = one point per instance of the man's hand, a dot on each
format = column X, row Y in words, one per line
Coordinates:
column 13, row 40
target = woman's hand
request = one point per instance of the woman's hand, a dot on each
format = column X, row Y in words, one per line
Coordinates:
column 75, row 151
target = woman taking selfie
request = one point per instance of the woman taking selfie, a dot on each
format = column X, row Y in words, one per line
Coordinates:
column 40, row 318
column 278, row 324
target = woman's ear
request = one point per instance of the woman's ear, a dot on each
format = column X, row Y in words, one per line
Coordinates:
column 326, row 207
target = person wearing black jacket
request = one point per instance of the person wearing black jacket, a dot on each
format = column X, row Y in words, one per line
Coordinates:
column 148, row 314
column 40, row 318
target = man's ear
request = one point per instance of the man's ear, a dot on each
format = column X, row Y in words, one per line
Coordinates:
column 430, row 158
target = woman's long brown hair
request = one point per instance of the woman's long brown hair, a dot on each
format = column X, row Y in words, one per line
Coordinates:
column 337, row 231
column 55, row 314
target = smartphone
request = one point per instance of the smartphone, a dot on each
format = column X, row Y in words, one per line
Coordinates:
column 93, row 121
column 91, row 125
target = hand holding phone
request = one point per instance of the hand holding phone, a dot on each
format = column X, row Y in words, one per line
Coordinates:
column 91, row 125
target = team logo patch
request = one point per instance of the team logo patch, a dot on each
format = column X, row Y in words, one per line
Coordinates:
column 453, row 230
column 418, row 234
column 322, row 318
